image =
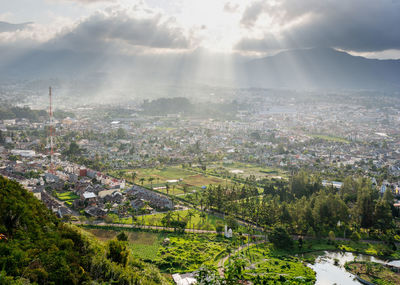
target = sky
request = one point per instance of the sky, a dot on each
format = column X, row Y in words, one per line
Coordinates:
column 252, row 27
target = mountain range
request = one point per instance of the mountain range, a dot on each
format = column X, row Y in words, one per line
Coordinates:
column 317, row 68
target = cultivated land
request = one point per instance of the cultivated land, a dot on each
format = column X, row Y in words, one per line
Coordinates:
column 172, row 252
column 67, row 197
column 263, row 263
column 244, row 170
column 188, row 179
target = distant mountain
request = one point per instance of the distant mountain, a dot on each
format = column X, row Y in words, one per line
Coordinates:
column 322, row 68
column 318, row 68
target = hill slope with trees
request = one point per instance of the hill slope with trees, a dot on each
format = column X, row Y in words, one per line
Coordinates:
column 36, row 247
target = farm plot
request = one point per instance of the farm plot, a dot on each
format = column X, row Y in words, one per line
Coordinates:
column 67, row 197
column 265, row 265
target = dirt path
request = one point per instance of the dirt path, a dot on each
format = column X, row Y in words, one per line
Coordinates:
column 221, row 262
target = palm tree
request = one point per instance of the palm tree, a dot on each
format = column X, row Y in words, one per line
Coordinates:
column 167, row 187
column 202, row 216
column 141, row 180
column 150, row 179
column 191, row 213
column 134, row 176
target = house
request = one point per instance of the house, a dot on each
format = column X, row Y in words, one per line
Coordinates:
column 184, row 279
column 96, row 212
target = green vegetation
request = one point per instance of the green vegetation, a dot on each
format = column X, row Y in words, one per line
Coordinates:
column 143, row 244
column 185, row 253
column 193, row 218
column 265, row 264
column 67, row 197
column 36, row 247
column 19, row 113
column 330, row 138
column 171, row 252
column 373, row 272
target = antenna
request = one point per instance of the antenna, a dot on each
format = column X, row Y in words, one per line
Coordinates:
column 51, row 129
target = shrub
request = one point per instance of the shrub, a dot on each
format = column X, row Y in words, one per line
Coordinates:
column 331, row 236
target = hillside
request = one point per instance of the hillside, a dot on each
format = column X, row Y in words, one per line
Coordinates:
column 37, row 247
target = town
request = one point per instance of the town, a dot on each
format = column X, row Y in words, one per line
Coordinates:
column 125, row 166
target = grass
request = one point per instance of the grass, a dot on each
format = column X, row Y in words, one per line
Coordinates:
column 142, row 244
column 221, row 168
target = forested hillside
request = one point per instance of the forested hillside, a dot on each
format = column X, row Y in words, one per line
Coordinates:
column 36, row 247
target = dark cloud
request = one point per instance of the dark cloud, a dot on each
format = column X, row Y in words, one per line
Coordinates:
column 120, row 29
column 8, row 27
column 351, row 25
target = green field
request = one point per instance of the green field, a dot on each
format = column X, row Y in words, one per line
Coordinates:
column 244, row 170
column 67, row 197
column 188, row 179
column 144, row 245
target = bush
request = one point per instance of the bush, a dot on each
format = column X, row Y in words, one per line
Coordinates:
column 331, row 236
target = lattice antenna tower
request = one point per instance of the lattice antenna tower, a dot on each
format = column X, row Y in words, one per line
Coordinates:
column 51, row 131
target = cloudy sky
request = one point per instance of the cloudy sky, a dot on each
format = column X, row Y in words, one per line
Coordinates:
column 252, row 27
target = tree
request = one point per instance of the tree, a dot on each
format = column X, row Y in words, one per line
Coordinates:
column 134, row 176
column 365, row 207
column 383, row 215
column 122, row 236
column 117, row 252
column 280, row 238
column 231, row 222
column 166, row 220
column 167, row 187
column 121, row 133
column 151, row 179
column 73, row 149
column 191, row 213
column 141, row 181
